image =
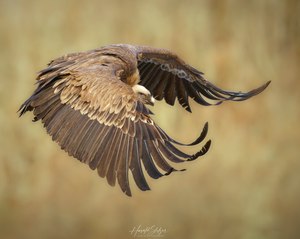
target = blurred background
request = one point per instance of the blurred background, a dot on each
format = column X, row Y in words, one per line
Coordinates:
column 247, row 186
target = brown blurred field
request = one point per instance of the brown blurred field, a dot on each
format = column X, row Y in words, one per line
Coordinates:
column 247, row 186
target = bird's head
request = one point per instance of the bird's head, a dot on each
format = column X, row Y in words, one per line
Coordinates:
column 144, row 94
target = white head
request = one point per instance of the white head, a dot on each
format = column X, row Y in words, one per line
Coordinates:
column 144, row 93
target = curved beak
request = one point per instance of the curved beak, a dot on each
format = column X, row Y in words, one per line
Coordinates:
column 151, row 100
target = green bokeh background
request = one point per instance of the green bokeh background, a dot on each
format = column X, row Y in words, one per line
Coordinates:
column 247, row 186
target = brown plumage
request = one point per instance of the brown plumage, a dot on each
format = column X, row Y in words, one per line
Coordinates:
column 93, row 104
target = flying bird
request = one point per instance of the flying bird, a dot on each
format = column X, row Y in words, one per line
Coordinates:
column 94, row 104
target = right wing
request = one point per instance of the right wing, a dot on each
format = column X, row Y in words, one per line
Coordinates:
column 99, row 120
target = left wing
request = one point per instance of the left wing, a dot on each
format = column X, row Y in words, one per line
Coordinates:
column 167, row 76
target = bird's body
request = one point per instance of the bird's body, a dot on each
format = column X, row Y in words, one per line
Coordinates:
column 93, row 104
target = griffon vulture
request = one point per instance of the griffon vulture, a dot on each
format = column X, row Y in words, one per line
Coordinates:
column 93, row 104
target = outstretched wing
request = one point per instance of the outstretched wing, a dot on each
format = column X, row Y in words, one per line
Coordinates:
column 99, row 120
column 167, row 76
